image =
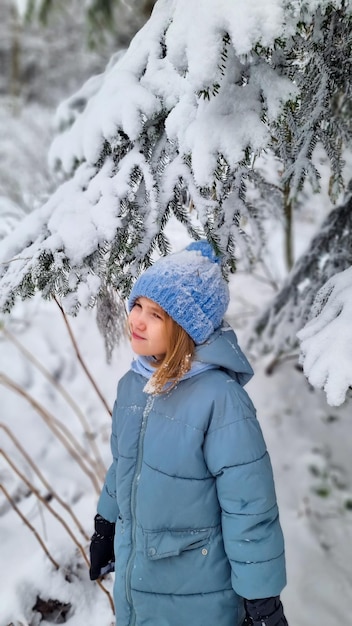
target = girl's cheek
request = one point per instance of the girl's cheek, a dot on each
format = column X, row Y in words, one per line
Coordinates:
column 129, row 322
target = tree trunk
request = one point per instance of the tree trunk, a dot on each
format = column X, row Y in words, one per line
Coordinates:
column 288, row 216
column 15, row 79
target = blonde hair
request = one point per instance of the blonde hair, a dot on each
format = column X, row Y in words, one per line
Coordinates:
column 177, row 360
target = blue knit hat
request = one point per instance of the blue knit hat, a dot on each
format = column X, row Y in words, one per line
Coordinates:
column 190, row 287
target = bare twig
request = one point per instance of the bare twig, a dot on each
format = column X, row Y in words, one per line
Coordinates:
column 268, row 280
column 100, row 584
column 80, row 359
column 25, row 520
column 39, row 539
column 43, row 480
column 278, row 360
column 100, row 467
column 46, row 504
column 68, row 441
column 18, row 258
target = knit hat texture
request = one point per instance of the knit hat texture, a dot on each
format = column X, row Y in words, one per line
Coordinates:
column 190, row 287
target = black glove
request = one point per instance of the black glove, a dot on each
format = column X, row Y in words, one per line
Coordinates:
column 102, row 557
column 264, row 612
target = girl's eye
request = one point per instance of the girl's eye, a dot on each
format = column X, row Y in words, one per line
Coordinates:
column 137, row 304
column 157, row 316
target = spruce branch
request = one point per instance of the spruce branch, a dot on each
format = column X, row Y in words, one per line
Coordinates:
column 329, row 253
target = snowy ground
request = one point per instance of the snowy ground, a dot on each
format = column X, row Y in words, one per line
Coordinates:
column 308, row 441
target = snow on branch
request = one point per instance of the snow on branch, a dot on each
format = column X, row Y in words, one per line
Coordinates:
column 176, row 120
column 177, row 115
column 326, row 340
column 329, row 253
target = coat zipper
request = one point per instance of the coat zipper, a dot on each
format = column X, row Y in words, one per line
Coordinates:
column 137, row 473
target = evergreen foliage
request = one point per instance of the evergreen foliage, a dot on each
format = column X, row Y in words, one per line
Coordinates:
column 160, row 134
column 322, row 54
column 329, row 253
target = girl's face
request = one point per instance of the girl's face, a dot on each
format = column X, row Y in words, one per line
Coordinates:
column 148, row 329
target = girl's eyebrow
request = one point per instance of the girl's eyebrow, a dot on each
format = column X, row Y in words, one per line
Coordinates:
column 156, row 309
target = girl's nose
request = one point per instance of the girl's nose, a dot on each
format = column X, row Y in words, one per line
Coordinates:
column 139, row 321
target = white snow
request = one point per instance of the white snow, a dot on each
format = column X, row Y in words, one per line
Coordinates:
column 309, row 442
column 139, row 85
column 141, row 82
column 327, row 339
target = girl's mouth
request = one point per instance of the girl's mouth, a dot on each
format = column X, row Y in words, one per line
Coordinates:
column 138, row 337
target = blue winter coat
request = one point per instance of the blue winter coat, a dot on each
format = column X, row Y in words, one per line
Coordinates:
column 192, row 493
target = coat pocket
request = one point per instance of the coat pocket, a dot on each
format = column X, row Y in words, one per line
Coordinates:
column 161, row 544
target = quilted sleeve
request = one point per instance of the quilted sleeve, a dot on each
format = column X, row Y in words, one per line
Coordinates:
column 236, row 454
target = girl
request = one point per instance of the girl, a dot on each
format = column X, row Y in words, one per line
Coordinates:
column 188, row 508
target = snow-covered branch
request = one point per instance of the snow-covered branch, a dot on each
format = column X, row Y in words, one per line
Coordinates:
column 179, row 118
column 326, row 340
column 175, row 115
column 329, row 252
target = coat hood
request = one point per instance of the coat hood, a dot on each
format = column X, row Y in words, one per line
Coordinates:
column 223, row 351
